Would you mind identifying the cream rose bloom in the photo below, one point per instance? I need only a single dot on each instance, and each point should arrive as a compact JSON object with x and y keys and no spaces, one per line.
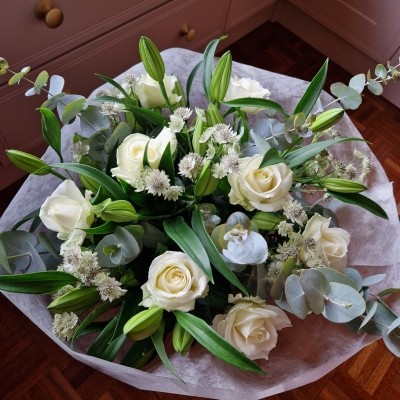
{"x":130,"y":154}
{"x":330,"y":244}
{"x":174,"y":282}
{"x":245,"y":87}
{"x":149,"y":92}
{"x":66,"y":210}
{"x":251,"y":326}
{"x":264,"y":189}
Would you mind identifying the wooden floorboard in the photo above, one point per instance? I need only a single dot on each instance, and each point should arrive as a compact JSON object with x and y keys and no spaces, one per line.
{"x":32,"y":367}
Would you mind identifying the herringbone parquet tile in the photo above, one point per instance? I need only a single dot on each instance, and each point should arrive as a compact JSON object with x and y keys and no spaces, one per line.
{"x":32,"y":367}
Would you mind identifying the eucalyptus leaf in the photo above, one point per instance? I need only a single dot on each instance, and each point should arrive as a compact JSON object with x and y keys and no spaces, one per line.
{"x":214,"y":343}
{"x":92,"y":121}
{"x":349,"y":98}
{"x":395,"y":324}
{"x":187,"y":240}
{"x":119,"y":134}
{"x":4,"y":260}
{"x":369,"y":315}
{"x":392,"y":341}
{"x":380,"y":71}
{"x":373,"y":280}
{"x":277,"y":289}
{"x":56,"y":85}
{"x":41,"y":81}
{"x":357,"y":82}
{"x":72,"y":109}
{"x":355,"y":276}
{"x":296,"y":297}
{"x":334,"y":276}
{"x":315,"y":287}
{"x":343,"y":303}
{"x":375,"y":87}
{"x":51,"y":102}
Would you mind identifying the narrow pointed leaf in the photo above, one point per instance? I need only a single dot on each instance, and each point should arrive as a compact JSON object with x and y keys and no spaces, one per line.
{"x":186,"y":239}
{"x":72,"y":109}
{"x":3,"y":259}
{"x":214,"y":343}
{"x":255,"y":102}
{"x":313,"y":91}
{"x":51,"y":130}
{"x":271,"y":157}
{"x":215,"y":257}
{"x":37,"y":282}
{"x":369,"y":315}
{"x":167,"y":164}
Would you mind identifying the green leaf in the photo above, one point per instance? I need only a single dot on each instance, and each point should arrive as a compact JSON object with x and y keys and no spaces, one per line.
{"x":303,"y":154}
{"x":369,"y":315}
{"x":103,"y":229}
{"x":388,"y":291}
{"x":51,"y":130}
{"x":28,"y":217}
{"x":158,"y":342}
{"x":190,"y":82}
{"x":271,"y":157}
{"x":315,"y":287}
{"x":255,"y":102}
{"x":343,"y":303}
{"x":3,"y":259}
{"x":167,"y":164}
{"x":113,"y":83}
{"x":138,"y":355}
{"x":278,"y":286}
{"x":362,"y":201}
{"x":207,"y":63}
{"x":215,"y":257}
{"x":349,"y":98}
{"x":37,"y":282}
{"x":111,"y":187}
{"x":296,"y":297}
{"x":186,"y":239}
{"x":214,"y":343}
{"x":313,"y":91}
{"x":41,"y":81}
{"x":72,"y":109}
{"x":150,"y":116}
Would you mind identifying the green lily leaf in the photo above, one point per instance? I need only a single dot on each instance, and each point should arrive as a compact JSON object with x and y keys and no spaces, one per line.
{"x":214,"y":343}
{"x":51,"y":130}
{"x":186,"y":239}
{"x":310,"y":97}
{"x":271,"y":157}
{"x":255,"y":102}
{"x":167,"y":164}
{"x":37,"y":282}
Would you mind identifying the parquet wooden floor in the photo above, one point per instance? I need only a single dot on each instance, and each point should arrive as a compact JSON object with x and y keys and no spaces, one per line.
{"x":32,"y":367}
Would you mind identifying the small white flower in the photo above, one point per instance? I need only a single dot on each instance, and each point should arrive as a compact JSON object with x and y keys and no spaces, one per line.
{"x":285,"y":228}
{"x":190,"y":165}
{"x":293,"y":210}
{"x":176,"y":123}
{"x":218,"y":171}
{"x":201,"y":114}
{"x":183,"y":112}
{"x":108,"y":287}
{"x":109,"y":108}
{"x":230,"y":162}
{"x":157,"y":182}
{"x":224,"y":133}
{"x":79,"y":149}
{"x":173,"y":193}
{"x":65,"y":325}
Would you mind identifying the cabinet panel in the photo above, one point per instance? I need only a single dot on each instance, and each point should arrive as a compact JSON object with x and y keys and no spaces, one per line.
{"x":369,"y":25}
{"x":28,"y":41}
{"x":110,"y":55}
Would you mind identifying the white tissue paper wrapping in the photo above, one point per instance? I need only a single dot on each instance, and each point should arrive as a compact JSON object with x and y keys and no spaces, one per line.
{"x":307,"y":351}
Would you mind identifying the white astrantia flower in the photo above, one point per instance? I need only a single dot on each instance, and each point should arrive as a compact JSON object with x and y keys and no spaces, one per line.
{"x":285,"y":228}
{"x":108,"y":287}
{"x":176,"y":123}
{"x":157,"y":182}
{"x":294,"y":211}
{"x":79,"y":149}
{"x":190,"y":165}
{"x":64,"y":290}
{"x":183,"y":112}
{"x":201,"y":114}
{"x":65,"y":325}
{"x":173,"y":193}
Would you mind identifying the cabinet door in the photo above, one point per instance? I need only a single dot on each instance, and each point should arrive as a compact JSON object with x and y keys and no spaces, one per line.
{"x":371,"y":26}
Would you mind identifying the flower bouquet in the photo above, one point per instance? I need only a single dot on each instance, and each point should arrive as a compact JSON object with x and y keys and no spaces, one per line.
{"x":185,"y":232}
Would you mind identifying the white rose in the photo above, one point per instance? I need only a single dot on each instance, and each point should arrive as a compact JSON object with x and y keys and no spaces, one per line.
{"x":251,"y":326}
{"x":149,"y":92}
{"x":240,"y":88}
{"x":264,"y":189}
{"x":66,"y":210}
{"x":174,"y":282}
{"x":130,"y":153}
{"x":329,"y":243}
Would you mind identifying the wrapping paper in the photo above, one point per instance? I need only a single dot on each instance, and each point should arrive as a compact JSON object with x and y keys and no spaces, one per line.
{"x":305,"y":352}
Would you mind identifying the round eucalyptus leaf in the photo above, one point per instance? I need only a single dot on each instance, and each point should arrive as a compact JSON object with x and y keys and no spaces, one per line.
{"x":343,"y":303}
{"x":373,"y":280}
{"x":384,"y":316}
{"x":315,"y":287}
{"x":296,"y":297}
{"x":349,"y":98}
{"x":355,"y":276}
{"x":335,"y":276}
{"x":56,"y":85}
{"x":392,"y":341}
{"x":380,"y":71}
{"x":375,"y":87}
{"x":371,"y":312}
{"x":357,"y":82}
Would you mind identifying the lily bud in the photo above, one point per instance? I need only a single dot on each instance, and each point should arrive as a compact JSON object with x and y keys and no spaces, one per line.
{"x":151,"y":58}
{"x":28,"y":162}
{"x":119,"y":211}
{"x":206,"y":183}
{"x":144,"y":323}
{"x":221,"y":77}
{"x":181,"y":339}
{"x":199,"y":128}
{"x":75,"y":300}
{"x":326,"y":119}
{"x":214,"y":116}
{"x":90,"y":184}
{"x":3,"y":66}
{"x":342,"y":185}
{"x":266,"y":220}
